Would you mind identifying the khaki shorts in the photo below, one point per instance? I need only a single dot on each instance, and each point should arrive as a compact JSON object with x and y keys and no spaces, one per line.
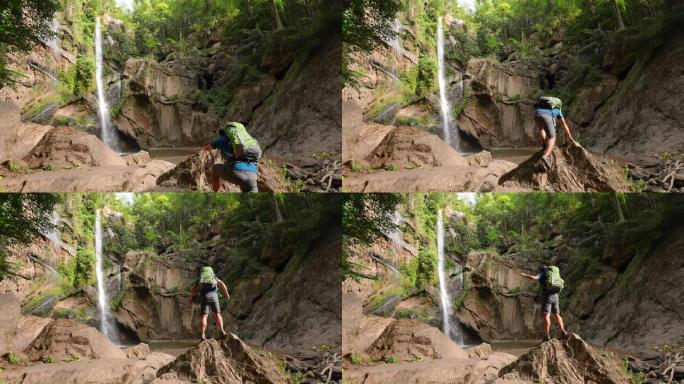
{"x":246,"y":180}
{"x":547,"y":123}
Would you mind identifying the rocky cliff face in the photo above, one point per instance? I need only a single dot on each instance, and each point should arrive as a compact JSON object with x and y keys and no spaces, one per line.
{"x":641,"y":118}
{"x":158,"y":106}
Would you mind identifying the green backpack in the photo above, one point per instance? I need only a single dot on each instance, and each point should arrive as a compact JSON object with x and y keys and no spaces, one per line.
{"x":549,"y":102}
{"x":554,"y":282}
{"x":245,"y":147}
{"x":207,"y":279}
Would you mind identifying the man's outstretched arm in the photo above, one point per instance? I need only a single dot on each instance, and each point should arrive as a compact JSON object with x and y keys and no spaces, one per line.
{"x":566,"y":128}
{"x":224,"y":289}
{"x":531,"y":277}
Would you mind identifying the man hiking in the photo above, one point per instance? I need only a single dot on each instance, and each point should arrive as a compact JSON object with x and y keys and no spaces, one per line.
{"x":241,"y":154}
{"x":547,"y":112}
{"x":551,"y":284}
{"x":208,"y":284}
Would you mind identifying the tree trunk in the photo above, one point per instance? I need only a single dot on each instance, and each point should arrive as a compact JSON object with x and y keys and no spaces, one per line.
{"x":276,"y":15}
{"x":618,"y":16}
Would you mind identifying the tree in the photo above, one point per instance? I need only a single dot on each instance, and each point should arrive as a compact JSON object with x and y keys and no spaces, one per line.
{"x":618,"y":15}
{"x":23,"y":216}
{"x":23,"y":23}
{"x":276,"y":15}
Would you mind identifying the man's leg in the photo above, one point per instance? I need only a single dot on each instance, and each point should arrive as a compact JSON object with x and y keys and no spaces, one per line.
{"x":547,"y":325}
{"x":542,"y":137}
{"x":550,"y":144}
{"x":203,"y":322}
{"x":559,"y":320}
{"x":219,"y":321}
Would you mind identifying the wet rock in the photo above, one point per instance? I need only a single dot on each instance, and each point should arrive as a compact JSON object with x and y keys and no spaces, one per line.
{"x":228,"y":361}
{"x":409,"y":147}
{"x":65,"y":339}
{"x":195,"y":174}
{"x":66,"y":147}
{"x":410,"y":340}
{"x":570,"y":361}
{"x":571,"y":169}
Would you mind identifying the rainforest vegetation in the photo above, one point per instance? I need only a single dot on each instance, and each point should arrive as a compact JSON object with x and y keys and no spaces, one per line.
{"x":265,"y":30}
{"x":605,"y":35}
{"x":523,"y":228}
{"x":249,"y":228}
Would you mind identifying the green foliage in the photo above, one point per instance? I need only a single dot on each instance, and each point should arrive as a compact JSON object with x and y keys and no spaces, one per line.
{"x":22,"y":24}
{"x":13,"y":166}
{"x":425,"y":78}
{"x":22,"y":218}
{"x":390,"y":360}
{"x":13,"y":358}
{"x":355,"y":358}
{"x":464,"y":241}
{"x":48,"y":360}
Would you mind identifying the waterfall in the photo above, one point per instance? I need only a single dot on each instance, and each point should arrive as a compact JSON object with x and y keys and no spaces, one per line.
{"x":102,"y":301}
{"x":108,"y":136}
{"x":444,"y":108}
{"x":53,"y":234}
{"x":449,"y":327}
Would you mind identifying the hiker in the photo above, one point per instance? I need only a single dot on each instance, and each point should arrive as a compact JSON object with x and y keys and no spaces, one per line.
{"x":551,"y":284}
{"x":547,"y":112}
{"x":207,"y":284}
{"x":241,"y":154}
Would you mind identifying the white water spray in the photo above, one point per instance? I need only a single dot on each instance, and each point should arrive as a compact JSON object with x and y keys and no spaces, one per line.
{"x":451,"y":329}
{"x":102,"y":302}
{"x":102,"y":107}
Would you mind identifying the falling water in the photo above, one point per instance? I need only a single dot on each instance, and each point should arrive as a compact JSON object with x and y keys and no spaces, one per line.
{"x":443,"y":102}
{"x":53,"y":234}
{"x":102,"y":107}
{"x":449,"y":328}
{"x":102,"y":306}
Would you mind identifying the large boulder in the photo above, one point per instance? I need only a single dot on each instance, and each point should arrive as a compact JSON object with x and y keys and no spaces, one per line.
{"x":499,"y":303}
{"x":228,"y":361}
{"x":194,"y":173}
{"x":570,"y":361}
{"x":67,"y":339}
{"x":158,"y":109}
{"x":66,"y":147}
{"x":410,"y":340}
{"x":17,"y":331}
{"x":409,"y":147}
{"x":359,"y":139}
{"x":499,"y":112}
{"x":571,"y":169}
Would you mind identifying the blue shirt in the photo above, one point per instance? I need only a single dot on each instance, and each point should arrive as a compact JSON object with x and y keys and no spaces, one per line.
{"x":224,"y":145}
{"x":556,"y":112}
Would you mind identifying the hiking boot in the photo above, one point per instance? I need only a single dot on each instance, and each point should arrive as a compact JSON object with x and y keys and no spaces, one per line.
{"x":546,"y":338}
{"x":546,"y":160}
{"x":203,"y":338}
{"x":564,"y":335}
